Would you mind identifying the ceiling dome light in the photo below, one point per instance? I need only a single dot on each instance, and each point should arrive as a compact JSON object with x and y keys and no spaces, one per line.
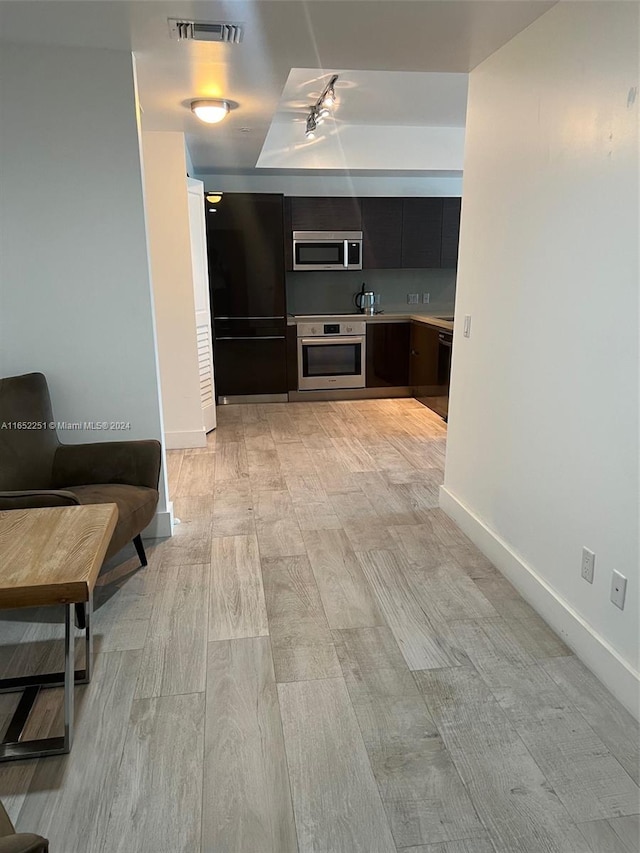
{"x":211,"y":110}
{"x":214,"y":198}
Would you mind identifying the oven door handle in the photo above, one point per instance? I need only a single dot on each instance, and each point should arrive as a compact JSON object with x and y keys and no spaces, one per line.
{"x":331,"y":341}
{"x":346,"y":254}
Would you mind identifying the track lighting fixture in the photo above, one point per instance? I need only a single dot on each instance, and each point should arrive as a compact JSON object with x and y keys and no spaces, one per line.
{"x":312,"y":124}
{"x":320,"y":110}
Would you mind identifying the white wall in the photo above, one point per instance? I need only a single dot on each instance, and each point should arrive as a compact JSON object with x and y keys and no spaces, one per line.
{"x":75,"y":294}
{"x":335,"y":185}
{"x":172,"y":276}
{"x":543,"y":433}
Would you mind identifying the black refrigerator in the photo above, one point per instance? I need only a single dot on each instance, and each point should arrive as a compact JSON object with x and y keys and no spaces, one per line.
{"x":245,"y":243}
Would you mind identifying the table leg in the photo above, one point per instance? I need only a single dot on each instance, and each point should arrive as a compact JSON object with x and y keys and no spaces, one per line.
{"x":12,"y":748}
{"x":69,"y":674}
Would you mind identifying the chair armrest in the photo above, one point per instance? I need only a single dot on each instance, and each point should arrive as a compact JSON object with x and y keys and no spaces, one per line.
{"x":33,"y":498}
{"x":132,"y":463}
{"x":23,"y":842}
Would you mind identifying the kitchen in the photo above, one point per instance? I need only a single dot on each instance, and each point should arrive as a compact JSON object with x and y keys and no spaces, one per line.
{"x":342,"y":268}
{"x":331,"y":651}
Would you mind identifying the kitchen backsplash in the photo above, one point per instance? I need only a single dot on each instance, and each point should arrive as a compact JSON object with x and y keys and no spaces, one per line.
{"x":316,"y":292}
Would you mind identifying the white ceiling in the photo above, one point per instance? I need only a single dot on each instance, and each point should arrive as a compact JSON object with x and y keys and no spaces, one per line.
{"x":362,"y":35}
{"x":398,"y":120}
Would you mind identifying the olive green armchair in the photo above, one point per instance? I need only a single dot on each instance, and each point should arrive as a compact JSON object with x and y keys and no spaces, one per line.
{"x":37,"y":470}
{"x":19,"y":842}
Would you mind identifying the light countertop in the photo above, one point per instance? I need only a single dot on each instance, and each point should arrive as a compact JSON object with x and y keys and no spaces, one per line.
{"x":292,"y":319}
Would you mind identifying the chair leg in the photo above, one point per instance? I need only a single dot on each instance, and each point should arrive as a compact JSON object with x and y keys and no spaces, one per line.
{"x":137,"y":541}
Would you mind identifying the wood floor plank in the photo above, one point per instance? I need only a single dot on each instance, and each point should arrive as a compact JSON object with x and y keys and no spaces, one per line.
{"x":613,"y":724}
{"x":419,"y":544}
{"x":295,"y":459}
{"x":247,"y":800}
{"x":277,"y":526}
{"x":158,"y":800}
{"x":233,"y":513}
{"x":353,"y":454}
{"x":174,"y":654}
{"x":446,"y":593}
{"x":236,"y":603}
{"x":231,"y":462}
{"x":534,"y":635}
{"x":488,"y":644}
{"x":346,"y":595}
{"x":586,"y":777}
{"x":619,"y":835}
{"x":70,"y":796}
{"x":333,"y":474}
{"x":422,"y":644}
{"x":301,"y":641}
{"x":514,"y":800}
{"x":365,"y":529}
{"x":389,"y":505}
{"x":335,"y":799}
{"x":505,"y":598}
{"x":189,"y":544}
{"x":264,"y":469}
{"x":470,"y":845}
{"x":197,"y":473}
{"x":283,"y":428}
{"x":423,"y":795}
{"x":174,"y":461}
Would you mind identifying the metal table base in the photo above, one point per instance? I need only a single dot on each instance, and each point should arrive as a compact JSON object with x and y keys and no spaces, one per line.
{"x":12,"y":747}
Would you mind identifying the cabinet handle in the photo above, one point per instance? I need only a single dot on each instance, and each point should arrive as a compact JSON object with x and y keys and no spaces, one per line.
{"x":250,"y":338}
{"x":414,"y":352}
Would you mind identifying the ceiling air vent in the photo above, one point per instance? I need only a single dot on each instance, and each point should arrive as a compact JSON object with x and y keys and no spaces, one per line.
{"x":205,"y":31}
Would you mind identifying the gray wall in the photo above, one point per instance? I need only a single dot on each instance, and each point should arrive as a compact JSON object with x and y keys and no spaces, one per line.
{"x":75,"y":290}
{"x":311,"y":292}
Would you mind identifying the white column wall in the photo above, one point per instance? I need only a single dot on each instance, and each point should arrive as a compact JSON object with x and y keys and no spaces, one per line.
{"x":165,"y":177}
{"x":542,"y":452}
{"x":75,"y":291}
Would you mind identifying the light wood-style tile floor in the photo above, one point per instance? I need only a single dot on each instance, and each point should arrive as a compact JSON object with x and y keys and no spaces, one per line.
{"x":319,"y":661}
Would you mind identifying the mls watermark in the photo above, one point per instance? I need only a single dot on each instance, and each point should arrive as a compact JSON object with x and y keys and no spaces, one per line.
{"x":66,"y":425}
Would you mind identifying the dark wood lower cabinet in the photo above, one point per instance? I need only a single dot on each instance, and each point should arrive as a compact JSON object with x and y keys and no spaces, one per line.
{"x":250,"y":367}
{"x":430,"y":367}
{"x":387,"y":355}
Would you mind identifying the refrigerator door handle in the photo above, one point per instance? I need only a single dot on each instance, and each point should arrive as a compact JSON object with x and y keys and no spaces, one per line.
{"x":250,"y":338}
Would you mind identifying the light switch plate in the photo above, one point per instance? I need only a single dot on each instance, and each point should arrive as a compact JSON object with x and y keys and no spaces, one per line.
{"x":412,"y":298}
{"x":426,"y":297}
{"x":467,"y":325}
{"x":618,"y":589}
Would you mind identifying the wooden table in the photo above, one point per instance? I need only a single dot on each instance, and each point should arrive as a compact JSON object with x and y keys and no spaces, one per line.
{"x":51,"y":556}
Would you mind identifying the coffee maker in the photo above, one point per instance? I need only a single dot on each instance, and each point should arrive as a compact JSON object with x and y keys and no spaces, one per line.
{"x":365,"y":300}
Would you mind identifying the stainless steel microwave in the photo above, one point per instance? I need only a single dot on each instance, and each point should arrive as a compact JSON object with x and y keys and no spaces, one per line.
{"x":327,"y":250}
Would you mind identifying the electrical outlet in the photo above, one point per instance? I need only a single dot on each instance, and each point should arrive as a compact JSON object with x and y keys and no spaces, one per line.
{"x":426,"y":297}
{"x":618,"y":589}
{"x":588,"y":564}
{"x":412,"y":298}
{"x":467,"y":325}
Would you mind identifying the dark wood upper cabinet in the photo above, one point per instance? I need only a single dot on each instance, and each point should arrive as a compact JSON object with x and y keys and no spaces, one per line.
{"x":382,"y":233}
{"x":421,"y":232}
{"x":326,"y":214}
{"x":450,"y":231}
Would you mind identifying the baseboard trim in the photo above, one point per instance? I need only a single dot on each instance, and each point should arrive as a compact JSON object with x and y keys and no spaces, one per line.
{"x":592,"y":649}
{"x":161,"y":526}
{"x":185,"y":440}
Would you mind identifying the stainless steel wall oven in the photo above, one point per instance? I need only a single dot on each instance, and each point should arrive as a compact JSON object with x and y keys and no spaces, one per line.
{"x":331,"y":355}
